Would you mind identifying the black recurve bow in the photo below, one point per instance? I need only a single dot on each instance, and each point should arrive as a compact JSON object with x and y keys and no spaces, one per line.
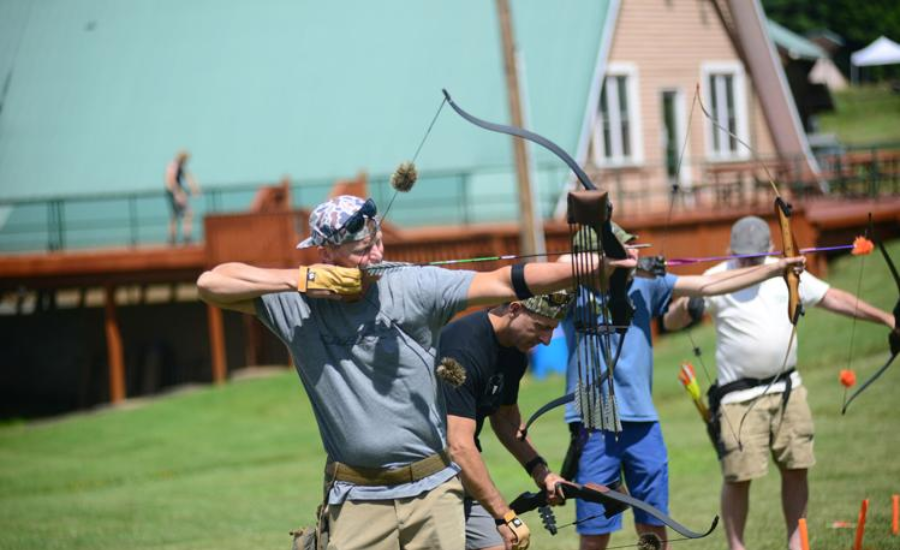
{"x":614,"y":502}
{"x":893,"y":338}
{"x":620,"y":307}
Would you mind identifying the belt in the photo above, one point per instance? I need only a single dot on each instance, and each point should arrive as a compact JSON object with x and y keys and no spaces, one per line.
{"x":747,"y":383}
{"x":388,"y":476}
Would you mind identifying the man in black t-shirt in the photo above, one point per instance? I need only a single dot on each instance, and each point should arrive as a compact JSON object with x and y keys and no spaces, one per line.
{"x":491,"y":346}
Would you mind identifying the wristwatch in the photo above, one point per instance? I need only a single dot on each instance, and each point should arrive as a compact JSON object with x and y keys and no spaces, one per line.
{"x":510,"y":518}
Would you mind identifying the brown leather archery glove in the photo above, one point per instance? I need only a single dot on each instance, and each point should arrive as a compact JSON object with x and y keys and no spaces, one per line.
{"x":330,"y":281}
{"x":519,"y":530}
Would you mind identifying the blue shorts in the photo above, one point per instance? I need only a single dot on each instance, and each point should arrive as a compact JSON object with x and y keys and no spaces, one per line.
{"x":640,"y":453}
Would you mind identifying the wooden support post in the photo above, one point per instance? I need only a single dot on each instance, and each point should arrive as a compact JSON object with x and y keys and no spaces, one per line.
{"x":251,"y":341}
{"x":217,"y":344}
{"x":114,"y":350}
{"x":531,"y":233}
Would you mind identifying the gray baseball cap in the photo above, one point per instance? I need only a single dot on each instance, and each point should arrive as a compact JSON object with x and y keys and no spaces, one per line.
{"x":750,"y":235}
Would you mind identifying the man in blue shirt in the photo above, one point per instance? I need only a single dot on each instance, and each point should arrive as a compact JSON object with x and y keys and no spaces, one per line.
{"x":638,"y":451}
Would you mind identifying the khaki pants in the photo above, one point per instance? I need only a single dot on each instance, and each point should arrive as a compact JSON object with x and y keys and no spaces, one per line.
{"x":432,"y":520}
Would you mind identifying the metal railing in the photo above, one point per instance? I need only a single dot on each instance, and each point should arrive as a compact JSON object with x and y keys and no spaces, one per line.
{"x":444,"y":198}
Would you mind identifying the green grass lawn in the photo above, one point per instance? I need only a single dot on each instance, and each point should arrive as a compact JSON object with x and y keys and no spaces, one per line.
{"x":864,"y":115}
{"x":238,"y":466}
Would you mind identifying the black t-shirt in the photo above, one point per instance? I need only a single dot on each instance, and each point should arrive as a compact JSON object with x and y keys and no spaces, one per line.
{"x":493,"y":372}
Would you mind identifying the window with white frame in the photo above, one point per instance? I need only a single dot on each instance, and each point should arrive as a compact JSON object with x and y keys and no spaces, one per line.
{"x":724,"y":92}
{"x":617,"y":131}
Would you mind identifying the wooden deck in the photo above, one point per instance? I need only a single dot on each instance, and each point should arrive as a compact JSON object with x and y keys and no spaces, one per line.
{"x":268,"y":239}
{"x":92,"y":268}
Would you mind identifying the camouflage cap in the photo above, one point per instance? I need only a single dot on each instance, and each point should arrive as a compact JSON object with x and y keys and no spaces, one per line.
{"x":587,"y":237}
{"x":624,"y":236}
{"x":553,"y":306}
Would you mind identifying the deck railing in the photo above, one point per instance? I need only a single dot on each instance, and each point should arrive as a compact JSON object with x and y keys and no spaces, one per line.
{"x":448,"y":198}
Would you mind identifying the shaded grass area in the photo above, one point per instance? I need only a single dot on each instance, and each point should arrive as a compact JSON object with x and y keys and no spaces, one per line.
{"x":864,"y":115}
{"x":238,"y":466}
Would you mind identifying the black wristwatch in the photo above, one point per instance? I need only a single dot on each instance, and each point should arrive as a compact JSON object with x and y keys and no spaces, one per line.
{"x":510,"y":518}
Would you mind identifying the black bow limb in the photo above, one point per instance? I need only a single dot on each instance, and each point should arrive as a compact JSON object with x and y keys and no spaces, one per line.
{"x":613,"y":503}
{"x":611,"y":246}
{"x":893,"y":337}
{"x":597,"y":215}
{"x":547,"y":407}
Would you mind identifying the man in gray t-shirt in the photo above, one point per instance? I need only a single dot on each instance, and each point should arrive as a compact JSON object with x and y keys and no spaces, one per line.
{"x":364,"y":349}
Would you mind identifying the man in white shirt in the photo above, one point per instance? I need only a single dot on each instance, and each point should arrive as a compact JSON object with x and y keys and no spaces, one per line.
{"x":756,"y":373}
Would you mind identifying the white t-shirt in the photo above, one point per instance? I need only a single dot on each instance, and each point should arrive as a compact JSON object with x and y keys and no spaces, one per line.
{"x":753,"y":330}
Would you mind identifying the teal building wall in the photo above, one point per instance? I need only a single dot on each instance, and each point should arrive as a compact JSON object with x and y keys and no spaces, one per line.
{"x":98,"y":95}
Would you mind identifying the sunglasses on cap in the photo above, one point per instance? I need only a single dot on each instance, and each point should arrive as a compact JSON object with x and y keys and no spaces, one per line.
{"x":355,"y":222}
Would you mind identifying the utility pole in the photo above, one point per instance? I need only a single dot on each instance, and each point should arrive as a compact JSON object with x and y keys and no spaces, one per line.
{"x":531,"y":228}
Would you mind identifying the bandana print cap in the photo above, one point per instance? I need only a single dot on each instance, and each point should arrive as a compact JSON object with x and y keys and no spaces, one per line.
{"x":328,"y":217}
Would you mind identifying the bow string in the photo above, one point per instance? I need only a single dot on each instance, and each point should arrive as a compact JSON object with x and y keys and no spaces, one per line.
{"x":783,"y":211}
{"x":676,"y":188}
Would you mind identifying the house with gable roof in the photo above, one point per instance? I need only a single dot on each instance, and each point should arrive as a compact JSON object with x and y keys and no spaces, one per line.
{"x":644,"y":130}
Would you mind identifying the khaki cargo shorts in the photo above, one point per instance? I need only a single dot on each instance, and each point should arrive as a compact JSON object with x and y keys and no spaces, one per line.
{"x":431,"y":520}
{"x":788,"y":438}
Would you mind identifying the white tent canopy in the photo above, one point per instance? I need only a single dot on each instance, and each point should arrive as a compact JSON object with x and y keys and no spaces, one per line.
{"x":883,"y":51}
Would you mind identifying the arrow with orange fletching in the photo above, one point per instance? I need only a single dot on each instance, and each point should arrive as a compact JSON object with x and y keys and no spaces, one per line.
{"x":688,"y":378}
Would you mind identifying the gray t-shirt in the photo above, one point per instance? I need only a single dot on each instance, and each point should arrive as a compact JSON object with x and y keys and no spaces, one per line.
{"x":368,"y":367}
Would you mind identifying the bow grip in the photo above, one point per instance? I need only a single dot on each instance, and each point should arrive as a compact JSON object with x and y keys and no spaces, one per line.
{"x":784,"y":210}
{"x":528,"y":501}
